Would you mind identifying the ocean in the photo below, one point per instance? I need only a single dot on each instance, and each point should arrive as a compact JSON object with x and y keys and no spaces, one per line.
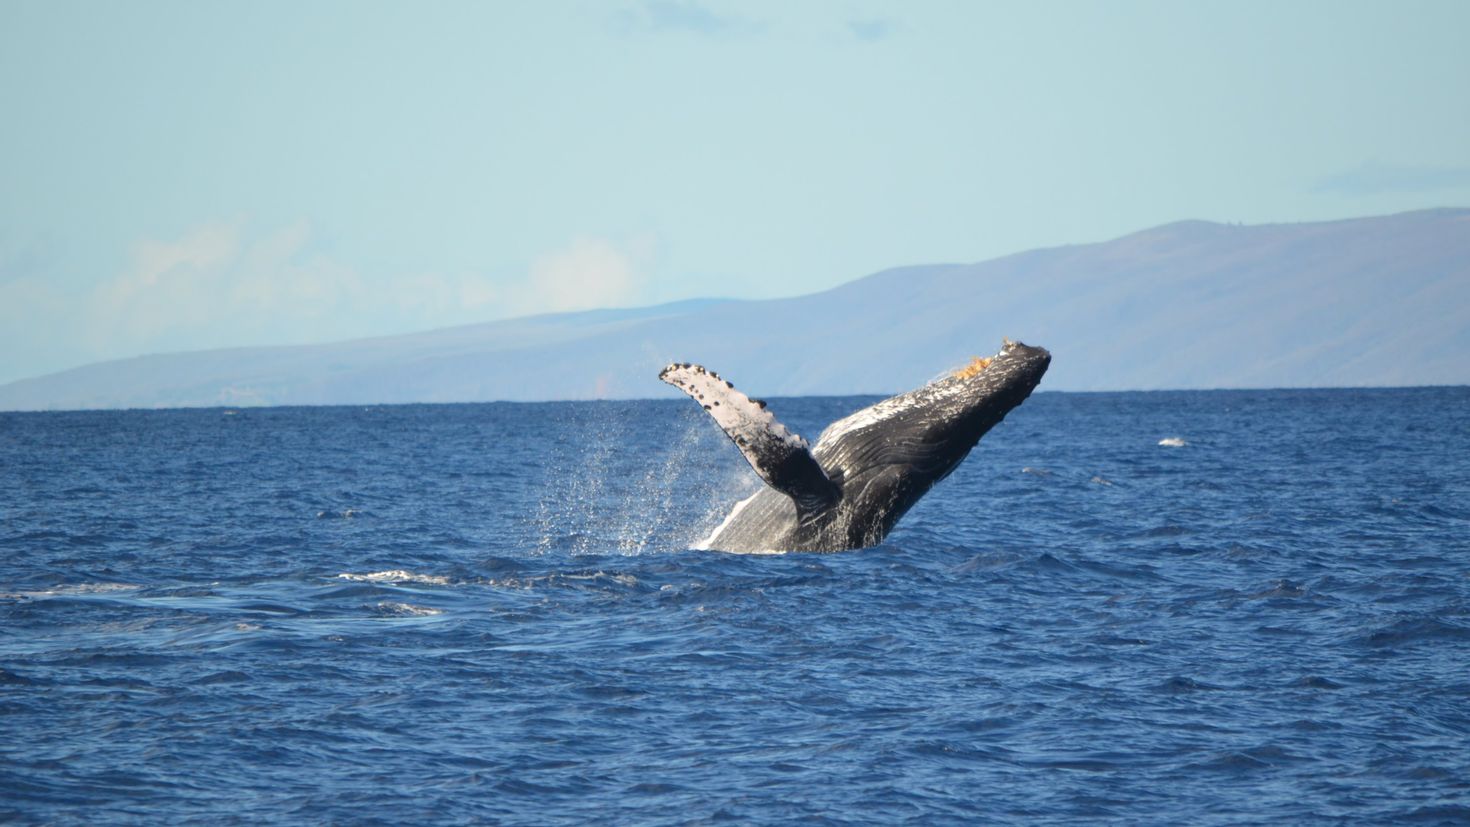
{"x":1217,"y":607}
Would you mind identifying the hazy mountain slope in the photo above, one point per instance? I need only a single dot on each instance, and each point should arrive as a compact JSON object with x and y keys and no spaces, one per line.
{"x":1379,"y":301}
{"x":1373,"y":301}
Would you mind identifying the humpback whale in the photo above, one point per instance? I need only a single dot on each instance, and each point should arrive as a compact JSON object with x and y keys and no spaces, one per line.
{"x":866,"y":469}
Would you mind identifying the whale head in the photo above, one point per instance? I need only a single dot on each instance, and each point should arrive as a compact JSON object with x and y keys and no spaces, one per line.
{"x":885,"y":457}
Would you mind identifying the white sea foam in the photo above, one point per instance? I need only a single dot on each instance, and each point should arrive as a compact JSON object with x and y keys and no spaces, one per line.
{"x":396,"y":576}
{"x":408,"y":610}
{"x":74,"y":589}
{"x":1173,"y":442}
{"x":620,"y":579}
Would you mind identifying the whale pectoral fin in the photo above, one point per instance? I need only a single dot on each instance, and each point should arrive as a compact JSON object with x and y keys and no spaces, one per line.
{"x":781,"y":458}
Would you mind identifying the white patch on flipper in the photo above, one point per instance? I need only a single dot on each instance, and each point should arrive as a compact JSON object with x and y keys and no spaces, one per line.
{"x":781,"y":458}
{"x":731,"y":409}
{"x":704,"y":545}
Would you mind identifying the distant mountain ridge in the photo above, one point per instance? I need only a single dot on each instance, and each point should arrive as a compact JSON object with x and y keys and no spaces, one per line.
{"x":1368,"y":301}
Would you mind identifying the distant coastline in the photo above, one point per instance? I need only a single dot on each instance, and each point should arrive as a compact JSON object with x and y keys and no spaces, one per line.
{"x":1192,"y":305}
{"x":775,"y":401}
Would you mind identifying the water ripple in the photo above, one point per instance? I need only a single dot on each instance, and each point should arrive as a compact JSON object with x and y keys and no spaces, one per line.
{"x":489,"y":613}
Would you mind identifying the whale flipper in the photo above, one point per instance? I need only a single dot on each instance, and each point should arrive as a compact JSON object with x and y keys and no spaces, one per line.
{"x":782,"y":458}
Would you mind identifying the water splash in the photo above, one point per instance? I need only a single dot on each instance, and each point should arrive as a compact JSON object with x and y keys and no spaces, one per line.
{"x":396,"y":576}
{"x":601,"y":498}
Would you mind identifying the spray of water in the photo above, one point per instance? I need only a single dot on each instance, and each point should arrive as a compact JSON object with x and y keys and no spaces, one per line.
{"x":599,"y":496}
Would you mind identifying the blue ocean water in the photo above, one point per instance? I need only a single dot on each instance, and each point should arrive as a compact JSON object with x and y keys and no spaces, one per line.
{"x":489,"y":614}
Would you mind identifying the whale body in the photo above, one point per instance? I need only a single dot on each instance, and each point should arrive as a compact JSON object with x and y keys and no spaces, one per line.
{"x":867,"y":469}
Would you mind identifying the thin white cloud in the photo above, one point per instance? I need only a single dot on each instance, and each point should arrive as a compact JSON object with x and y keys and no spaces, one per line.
{"x":589,"y":273}
{"x":215,"y":287}
{"x":873,"y":30}
{"x":1376,"y":178}
{"x":686,"y":16}
{"x":222,"y":285}
{"x":34,"y":326}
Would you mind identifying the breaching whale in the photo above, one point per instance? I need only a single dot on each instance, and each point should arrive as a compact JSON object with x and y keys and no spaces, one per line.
{"x":868,"y":468}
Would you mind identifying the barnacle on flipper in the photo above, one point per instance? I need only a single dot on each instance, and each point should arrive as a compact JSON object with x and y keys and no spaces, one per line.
{"x":976,"y":365}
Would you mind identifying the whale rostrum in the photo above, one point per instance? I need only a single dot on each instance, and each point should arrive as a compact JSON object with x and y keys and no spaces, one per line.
{"x":867,"y":469}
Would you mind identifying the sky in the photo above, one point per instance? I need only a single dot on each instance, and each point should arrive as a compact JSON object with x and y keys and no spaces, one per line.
{"x":191,"y":175}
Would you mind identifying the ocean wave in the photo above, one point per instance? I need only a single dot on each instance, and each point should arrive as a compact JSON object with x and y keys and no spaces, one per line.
{"x":407,"y":610}
{"x":395,"y":576}
{"x":1226,"y":626}
{"x":71,"y":590}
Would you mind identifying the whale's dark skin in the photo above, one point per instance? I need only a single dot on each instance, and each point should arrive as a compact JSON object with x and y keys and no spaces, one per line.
{"x":866,"y":469}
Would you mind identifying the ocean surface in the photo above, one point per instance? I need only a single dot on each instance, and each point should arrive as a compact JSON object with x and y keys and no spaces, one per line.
{"x":1147,"y":608}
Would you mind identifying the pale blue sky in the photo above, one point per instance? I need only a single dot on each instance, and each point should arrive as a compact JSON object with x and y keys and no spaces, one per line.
{"x":189,"y":175}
